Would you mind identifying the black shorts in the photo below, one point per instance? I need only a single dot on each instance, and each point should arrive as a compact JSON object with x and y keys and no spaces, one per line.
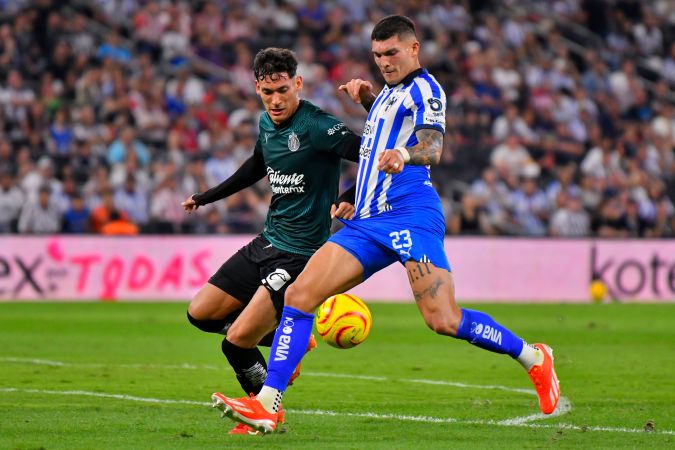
{"x":259,"y":263}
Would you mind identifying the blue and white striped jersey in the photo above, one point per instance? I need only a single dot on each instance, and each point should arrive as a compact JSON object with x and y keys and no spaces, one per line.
{"x":418,"y":101}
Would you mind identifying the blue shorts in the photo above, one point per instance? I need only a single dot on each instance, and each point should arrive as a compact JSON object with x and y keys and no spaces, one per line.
{"x":400,"y":235}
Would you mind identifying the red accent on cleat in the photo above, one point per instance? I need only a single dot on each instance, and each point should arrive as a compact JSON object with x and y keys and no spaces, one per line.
{"x":546,"y":381}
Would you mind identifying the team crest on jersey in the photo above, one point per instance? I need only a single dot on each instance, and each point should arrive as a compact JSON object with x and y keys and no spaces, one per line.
{"x":391,"y":102}
{"x":293,"y":142}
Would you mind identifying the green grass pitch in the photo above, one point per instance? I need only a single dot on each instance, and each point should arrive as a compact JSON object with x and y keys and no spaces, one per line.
{"x":127,"y":375}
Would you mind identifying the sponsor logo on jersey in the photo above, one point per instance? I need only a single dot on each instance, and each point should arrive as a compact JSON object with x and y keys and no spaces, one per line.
{"x":286,"y":184}
{"x":435,"y":104}
{"x":369,"y":129}
{"x":293,"y":142}
{"x":277,"y":279}
{"x":335,"y":128}
{"x":365,"y":152}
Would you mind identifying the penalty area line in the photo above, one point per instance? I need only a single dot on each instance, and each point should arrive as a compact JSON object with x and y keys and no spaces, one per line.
{"x":317,"y":412}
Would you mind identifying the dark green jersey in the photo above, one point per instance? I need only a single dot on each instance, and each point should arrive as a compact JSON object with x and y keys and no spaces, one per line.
{"x":302,"y":159}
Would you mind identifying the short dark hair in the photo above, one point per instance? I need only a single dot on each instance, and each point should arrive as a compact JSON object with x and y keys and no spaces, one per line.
{"x":395,"y":25}
{"x":273,"y":60}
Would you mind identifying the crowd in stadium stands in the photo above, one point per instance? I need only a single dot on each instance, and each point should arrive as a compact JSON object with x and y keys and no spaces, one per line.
{"x":112,"y":112}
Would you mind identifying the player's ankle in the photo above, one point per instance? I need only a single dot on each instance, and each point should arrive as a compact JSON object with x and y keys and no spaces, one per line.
{"x":530,"y":356}
{"x":270,"y":399}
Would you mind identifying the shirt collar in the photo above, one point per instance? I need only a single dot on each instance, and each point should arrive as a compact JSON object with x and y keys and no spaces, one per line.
{"x":408,"y":78}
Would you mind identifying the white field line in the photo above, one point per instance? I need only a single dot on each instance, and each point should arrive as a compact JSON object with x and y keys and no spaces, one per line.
{"x":372,"y":415}
{"x":564,"y":405}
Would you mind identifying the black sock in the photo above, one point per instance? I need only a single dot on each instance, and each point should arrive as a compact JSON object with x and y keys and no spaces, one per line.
{"x":267,"y":340}
{"x":249,"y":365}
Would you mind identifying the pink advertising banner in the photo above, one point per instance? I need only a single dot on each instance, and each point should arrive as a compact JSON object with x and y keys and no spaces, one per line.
{"x":485,"y":269}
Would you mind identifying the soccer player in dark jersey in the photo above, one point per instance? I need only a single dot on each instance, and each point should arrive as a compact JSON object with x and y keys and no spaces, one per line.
{"x":299,"y":148}
{"x":398,"y":218}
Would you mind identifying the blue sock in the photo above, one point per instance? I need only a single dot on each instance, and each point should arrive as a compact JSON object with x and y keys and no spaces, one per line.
{"x":289,"y":346}
{"x":482,"y":331}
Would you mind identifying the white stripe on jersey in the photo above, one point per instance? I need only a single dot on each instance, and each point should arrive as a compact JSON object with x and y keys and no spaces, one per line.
{"x":391,"y":123}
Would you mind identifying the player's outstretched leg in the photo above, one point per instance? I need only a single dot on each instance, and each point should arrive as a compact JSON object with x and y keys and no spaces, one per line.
{"x":435,"y":294}
{"x":330,"y":271}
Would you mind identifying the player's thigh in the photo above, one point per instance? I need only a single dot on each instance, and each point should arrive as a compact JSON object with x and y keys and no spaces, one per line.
{"x":229,"y":289}
{"x":212,"y":303}
{"x":434,"y":291}
{"x":257,"y":319}
{"x":331,"y":270}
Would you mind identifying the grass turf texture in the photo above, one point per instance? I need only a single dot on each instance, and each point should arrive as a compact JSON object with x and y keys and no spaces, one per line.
{"x":614,"y":361}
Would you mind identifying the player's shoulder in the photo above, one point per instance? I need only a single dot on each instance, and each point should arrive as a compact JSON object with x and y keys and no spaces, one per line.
{"x":427,"y":85}
{"x":318,"y":120}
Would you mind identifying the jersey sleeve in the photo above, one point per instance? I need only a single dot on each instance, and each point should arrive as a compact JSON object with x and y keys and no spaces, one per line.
{"x":329,"y":134}
{"x":251,"y":171}
{"x":428,"y":105}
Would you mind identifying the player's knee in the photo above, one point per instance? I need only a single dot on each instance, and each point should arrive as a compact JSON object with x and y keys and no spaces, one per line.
{"x":238,"y":337}
{"x":298,"y":298}
{"x":443,"y":325}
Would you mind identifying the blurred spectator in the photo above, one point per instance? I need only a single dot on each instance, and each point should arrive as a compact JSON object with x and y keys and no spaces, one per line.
{"x":571,"y":220}
{"x":40,"y":216}
{"x":471,"y":219}
{"x":128,"y":147}
{"x":530,"y":208}
{"x":114,"y":49}
{"x":132,"y":199}
{"x":166,"y":213}
{"x":11,"y":201}
{"x":102,"y":213}
{"x":76,"y":220}
{"x":511,"y":158}
{"x":118,"y":225}
{"x":244,"y":212}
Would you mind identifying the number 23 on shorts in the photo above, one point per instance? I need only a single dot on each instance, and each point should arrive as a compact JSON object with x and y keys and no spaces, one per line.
{"x":400,"y":239}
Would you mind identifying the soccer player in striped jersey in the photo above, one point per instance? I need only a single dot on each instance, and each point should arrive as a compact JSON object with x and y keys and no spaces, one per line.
{"x":398,"y":218}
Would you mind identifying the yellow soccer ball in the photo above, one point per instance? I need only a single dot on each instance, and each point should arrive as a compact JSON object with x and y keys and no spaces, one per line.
{"x":598,"y":291}
{"x":343,"y":321}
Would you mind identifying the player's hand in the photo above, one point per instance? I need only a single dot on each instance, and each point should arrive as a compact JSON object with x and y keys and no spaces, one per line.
{"x":390,"y":161}
{"x":344,"y":210}
{"x":358,"y":90}
{"x":189,"y":205}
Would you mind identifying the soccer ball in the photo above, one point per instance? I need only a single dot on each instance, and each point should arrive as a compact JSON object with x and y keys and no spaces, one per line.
{"x":343,"y":321}
{"x":598,"y":291}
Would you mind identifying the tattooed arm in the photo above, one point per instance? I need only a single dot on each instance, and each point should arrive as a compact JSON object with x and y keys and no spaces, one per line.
{"x":426,"y":152}
{"x":428,"y":149}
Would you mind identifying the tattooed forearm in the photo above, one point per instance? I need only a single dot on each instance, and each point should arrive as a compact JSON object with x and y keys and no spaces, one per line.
{"x":428,"y":148}
{"x":431,"y":290}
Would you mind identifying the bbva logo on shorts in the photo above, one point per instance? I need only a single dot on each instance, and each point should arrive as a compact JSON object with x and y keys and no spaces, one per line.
{"x":277,"y":279}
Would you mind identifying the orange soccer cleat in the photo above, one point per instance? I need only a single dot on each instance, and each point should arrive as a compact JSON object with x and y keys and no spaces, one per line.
{"x":296,"y":373}
{"x":248,"y":411}
{"x":546,"y":381}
